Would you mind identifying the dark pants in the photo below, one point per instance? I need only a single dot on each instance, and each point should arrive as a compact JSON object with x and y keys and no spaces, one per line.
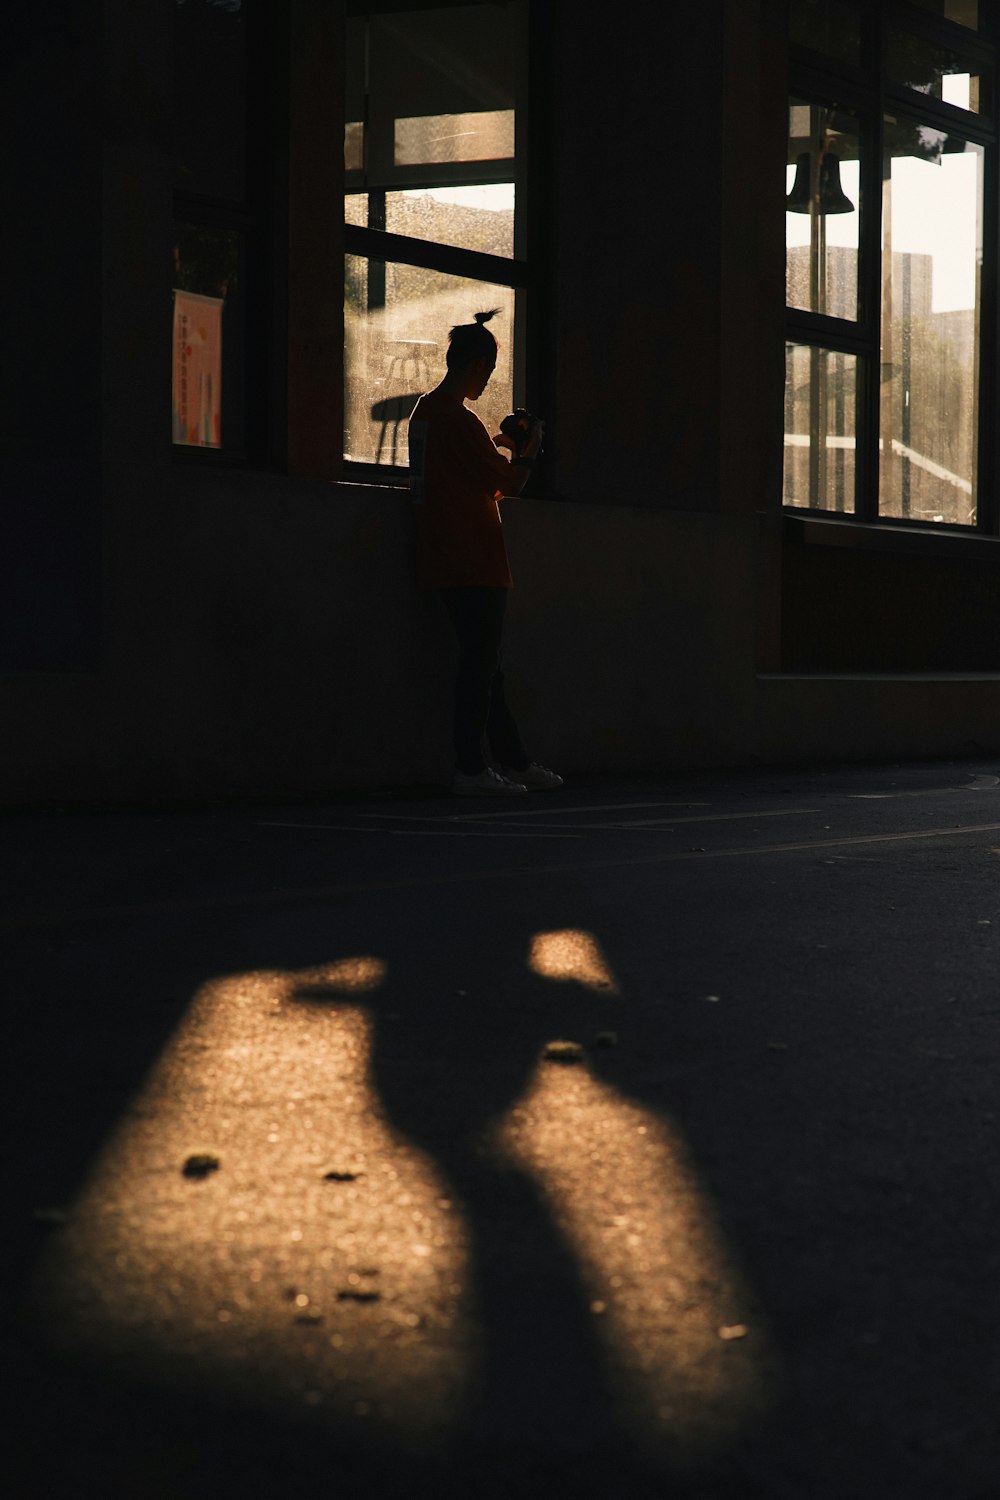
{"x":480,"y":706}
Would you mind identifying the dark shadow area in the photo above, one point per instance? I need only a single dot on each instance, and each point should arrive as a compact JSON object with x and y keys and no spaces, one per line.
{"x":460,"y":1023}
{"x":837,"y":1099}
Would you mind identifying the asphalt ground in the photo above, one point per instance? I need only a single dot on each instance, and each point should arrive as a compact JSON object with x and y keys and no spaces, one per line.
{"x":634,"y":1140}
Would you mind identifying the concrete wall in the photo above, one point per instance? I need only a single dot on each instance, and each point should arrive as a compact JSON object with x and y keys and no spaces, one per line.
{"x":851,"y":609}
{"x":264,"y":634}
{"x":263,"y":637}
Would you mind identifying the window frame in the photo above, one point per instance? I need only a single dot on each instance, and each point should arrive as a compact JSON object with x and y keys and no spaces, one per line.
{"x":870,"y":95}
{"x":519,"y":272}
{"x":265,"y":64}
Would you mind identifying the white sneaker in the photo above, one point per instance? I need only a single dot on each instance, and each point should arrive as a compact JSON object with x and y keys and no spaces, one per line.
{"x":486,"y":783}
{"x":535,"y":778}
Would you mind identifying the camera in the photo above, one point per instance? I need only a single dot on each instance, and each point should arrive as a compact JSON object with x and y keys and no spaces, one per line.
{"x":518,"y":428}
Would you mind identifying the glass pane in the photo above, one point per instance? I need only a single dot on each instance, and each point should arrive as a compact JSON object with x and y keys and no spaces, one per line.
{"x":932,"y":240}
{"x":209,"y":338}
{"x":822,"y":210}
{"x":941,"y":72}
{"x":397,"y":320}
{"x":356,"y":209}
{"x":210,"y":98}
{"x":435,"y":86}
{"x":477,"y":217}
{"x":483,"y":136}
{"x":962,"y":12}
{"x":473,"y":218}
{"x":820,"y":428}
{"x":354,"y":146}
{"x":829,"y":26}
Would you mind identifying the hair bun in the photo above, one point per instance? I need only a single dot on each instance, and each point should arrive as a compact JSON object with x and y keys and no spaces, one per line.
{"x":484,"y":317}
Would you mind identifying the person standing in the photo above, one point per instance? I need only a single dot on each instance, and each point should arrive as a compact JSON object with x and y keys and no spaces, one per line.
{"x":457,"y":475}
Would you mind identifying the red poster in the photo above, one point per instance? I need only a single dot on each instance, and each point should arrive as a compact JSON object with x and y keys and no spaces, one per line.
{"x":197,"y":373}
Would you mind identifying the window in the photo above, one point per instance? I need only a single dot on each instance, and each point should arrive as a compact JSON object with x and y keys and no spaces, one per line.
{"x":211,"y":227}
{"x":435,"y":210}
{"x":890,"y":262}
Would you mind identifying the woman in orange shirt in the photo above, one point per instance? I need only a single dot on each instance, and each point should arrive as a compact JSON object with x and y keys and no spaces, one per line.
{"x":457,"y":477}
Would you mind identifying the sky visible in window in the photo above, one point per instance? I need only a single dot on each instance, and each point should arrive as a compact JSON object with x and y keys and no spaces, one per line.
{"x":934,"y":213}
{"x":496,"y":196}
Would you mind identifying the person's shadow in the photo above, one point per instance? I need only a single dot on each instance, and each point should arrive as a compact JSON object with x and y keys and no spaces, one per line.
{"x":460,"y":1025}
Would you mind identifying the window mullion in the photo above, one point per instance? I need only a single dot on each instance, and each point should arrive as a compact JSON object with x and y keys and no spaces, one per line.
{"x":988,"y":517}
{"x":435,"y":256}
{"x":870,"y":298}
{"x":930,"y":111}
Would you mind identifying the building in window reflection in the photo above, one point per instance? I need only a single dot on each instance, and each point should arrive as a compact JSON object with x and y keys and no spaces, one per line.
{"x":928,"y":379}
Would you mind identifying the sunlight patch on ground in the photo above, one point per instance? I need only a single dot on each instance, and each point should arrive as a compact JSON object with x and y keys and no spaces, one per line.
{"x":308,"y":1256}
{"x":256,"y":1228}
{"x":686,"y":1345}
{"x":570,"y":954}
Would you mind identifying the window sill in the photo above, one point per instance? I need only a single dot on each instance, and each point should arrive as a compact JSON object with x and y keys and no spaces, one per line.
{"x":879,"y":677}
{"x":901,"y":540}
{"x":375,"y":476}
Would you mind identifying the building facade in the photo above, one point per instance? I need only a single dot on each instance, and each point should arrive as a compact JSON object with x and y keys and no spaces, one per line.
{"x":766,"y":526}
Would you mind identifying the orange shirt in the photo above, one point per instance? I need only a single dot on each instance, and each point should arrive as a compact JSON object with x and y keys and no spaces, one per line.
{"x":456,"y":477}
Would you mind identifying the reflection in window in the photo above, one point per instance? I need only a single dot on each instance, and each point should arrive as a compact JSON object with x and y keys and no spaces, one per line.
{"x":209,"y":126}
{"x":932,"y":256}
{"x":397,"y":319}
{"x":210,"y":200}
{"x":952,"y":74}
{"x":822,"y":210}
{"x":208,"y":338}
{"x":962,"y":12}
{"x":820,"y":428}
{"x":832,"y":27}
{"x":197,"y":374}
